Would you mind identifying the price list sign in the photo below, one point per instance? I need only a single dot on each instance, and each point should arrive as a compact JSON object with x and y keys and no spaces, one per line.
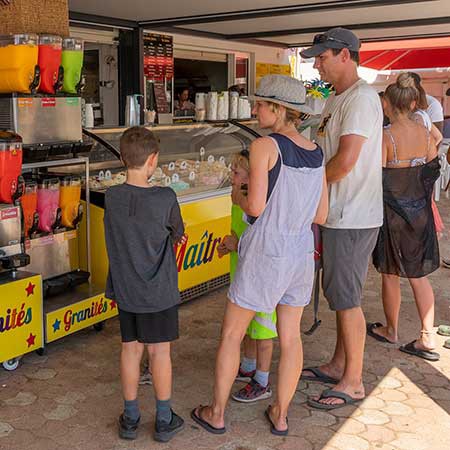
{"x":158,"y":57}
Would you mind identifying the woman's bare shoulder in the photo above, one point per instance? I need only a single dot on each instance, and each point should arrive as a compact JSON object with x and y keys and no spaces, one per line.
{"x":263,"y":143}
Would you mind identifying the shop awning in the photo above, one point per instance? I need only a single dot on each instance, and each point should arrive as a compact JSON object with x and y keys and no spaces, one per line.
{"x":283,"y":23}
{"x":407,"y":54}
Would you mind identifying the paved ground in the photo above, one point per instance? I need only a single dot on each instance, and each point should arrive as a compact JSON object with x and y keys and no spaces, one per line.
{"x":71,"y":398}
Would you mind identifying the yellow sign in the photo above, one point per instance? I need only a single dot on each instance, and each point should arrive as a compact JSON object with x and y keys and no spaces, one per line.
{"x":21,"y":321}
{"x":207,"y":222}
{"x":263,"y":69}
{"x":75,"y":317}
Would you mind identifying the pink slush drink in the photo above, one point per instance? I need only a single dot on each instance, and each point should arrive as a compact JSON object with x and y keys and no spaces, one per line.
{"x":47,"y":204}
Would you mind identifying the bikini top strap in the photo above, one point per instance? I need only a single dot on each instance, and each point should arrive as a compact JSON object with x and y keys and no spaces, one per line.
{"x":394,"y":146}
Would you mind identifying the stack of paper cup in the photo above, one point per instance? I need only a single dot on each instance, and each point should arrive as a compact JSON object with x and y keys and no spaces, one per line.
{"x":200,"y":100}
{"x":211,"y":106}
{"x":234,"y":100}
{"x":222,"y":106}
{"x":244,"y":108}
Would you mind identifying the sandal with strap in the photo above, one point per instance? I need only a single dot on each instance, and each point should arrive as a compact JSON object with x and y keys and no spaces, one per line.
{"x":318,"y":376}
{"x":411,"y":349}
{"x":330,"y":393}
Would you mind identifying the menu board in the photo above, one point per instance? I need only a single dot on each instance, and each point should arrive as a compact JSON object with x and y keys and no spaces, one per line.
{"x":158,"y":57}
{"x":162,"y":106}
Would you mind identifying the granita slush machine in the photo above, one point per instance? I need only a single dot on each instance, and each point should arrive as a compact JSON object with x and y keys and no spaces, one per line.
{"x":40,"y":82}
{"x":12,"y":254}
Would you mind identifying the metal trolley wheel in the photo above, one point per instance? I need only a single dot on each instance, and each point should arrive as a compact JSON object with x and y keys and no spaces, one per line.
{"x":11,"y":364}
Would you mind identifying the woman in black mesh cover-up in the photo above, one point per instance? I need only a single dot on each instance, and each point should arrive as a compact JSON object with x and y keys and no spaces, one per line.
{"x":407,"y":244}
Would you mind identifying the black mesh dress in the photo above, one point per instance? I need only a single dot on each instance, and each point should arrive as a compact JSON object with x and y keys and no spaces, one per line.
{"x":407,"y":243}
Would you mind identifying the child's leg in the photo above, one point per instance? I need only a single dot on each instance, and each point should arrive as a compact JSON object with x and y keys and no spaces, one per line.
{"x":248,"y":363}
{"x":130,"y":361}
{"x":161,"y":364}
{"x":265,"y":349}
{"x":250,"y":351}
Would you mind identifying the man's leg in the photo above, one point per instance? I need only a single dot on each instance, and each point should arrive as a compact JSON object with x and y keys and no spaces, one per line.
{"x":235,"y":323}
{"x":352,"y":250}
{"x":291,"y":361}
{"x":330,"y":282}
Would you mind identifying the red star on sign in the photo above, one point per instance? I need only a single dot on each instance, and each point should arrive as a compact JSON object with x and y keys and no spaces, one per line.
{"x":31,"y":339}
{"x":113,"y":304}
{"x":30,"y":289}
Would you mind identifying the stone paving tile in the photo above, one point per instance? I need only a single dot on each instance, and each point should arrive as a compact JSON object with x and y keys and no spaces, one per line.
{"x":71,"y":397}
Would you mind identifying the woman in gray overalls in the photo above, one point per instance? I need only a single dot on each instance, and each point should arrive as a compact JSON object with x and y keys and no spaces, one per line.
{"x":286,"y":193}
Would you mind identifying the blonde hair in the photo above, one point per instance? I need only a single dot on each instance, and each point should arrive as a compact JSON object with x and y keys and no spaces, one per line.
{"x":292,"y":116}
{"x":241,"y":160}
{"x":402,"y":93}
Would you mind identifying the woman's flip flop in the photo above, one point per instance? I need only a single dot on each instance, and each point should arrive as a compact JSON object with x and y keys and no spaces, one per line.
{"x":203,"y":423}
{"x":424,"y":354}
{"x":274,"y":430}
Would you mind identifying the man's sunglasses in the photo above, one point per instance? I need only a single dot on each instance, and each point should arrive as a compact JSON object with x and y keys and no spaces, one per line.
{"x":323,"y":38}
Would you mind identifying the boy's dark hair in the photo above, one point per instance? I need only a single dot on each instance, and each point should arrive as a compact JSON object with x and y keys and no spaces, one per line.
{"x":354,"y":56}
{"x":136,"y":145}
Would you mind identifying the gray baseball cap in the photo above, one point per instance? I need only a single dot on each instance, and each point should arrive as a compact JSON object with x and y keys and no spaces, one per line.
{"x":337,"y":38}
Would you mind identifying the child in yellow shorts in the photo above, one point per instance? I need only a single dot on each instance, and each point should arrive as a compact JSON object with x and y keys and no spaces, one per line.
{"x":258,"y":343}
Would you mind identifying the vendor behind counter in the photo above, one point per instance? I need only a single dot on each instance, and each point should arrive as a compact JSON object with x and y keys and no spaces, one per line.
{"x":182,"y":105}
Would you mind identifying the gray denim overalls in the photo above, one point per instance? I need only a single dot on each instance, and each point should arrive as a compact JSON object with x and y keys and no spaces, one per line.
{"x":276,"y":253}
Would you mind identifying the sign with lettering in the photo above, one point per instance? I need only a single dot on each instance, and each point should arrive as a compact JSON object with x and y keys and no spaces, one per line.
{"x":75,"y":317}
{"x":21,"y":317}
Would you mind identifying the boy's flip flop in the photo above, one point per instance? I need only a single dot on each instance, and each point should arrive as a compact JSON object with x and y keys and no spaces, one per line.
{"x":274,"y":430}
{"x":203,"y":423}
{"x":372,"y":326}
{"x":425,"y":354}
{"x":330,"y":393}
{"x":319,"y":376}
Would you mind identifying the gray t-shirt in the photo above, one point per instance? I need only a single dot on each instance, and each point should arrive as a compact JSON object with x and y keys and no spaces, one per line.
{"x":141,"y":225}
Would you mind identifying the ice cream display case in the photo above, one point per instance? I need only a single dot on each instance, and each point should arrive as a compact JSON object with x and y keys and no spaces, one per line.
{"x":194,"y":161}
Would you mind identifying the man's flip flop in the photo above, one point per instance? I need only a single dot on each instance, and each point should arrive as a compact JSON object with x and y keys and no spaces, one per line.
{"x":330,"y":393}
{"x":319,"y":376}
{"x":372,"y":326}
{"x":274,"y":430}
{"x":204,"y":424}
{"x":425,"y":354}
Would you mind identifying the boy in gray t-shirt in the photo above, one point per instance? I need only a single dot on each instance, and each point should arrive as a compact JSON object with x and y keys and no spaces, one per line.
{"x":142,"y":223}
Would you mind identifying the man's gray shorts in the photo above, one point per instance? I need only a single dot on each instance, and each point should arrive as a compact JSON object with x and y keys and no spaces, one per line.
{"x":345,"y":258}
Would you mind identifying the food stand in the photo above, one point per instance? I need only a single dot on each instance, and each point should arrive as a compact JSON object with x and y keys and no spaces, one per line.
{"x":195,"y":162}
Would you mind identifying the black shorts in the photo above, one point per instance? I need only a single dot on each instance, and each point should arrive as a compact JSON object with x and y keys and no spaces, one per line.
{"x":149,"y":328}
